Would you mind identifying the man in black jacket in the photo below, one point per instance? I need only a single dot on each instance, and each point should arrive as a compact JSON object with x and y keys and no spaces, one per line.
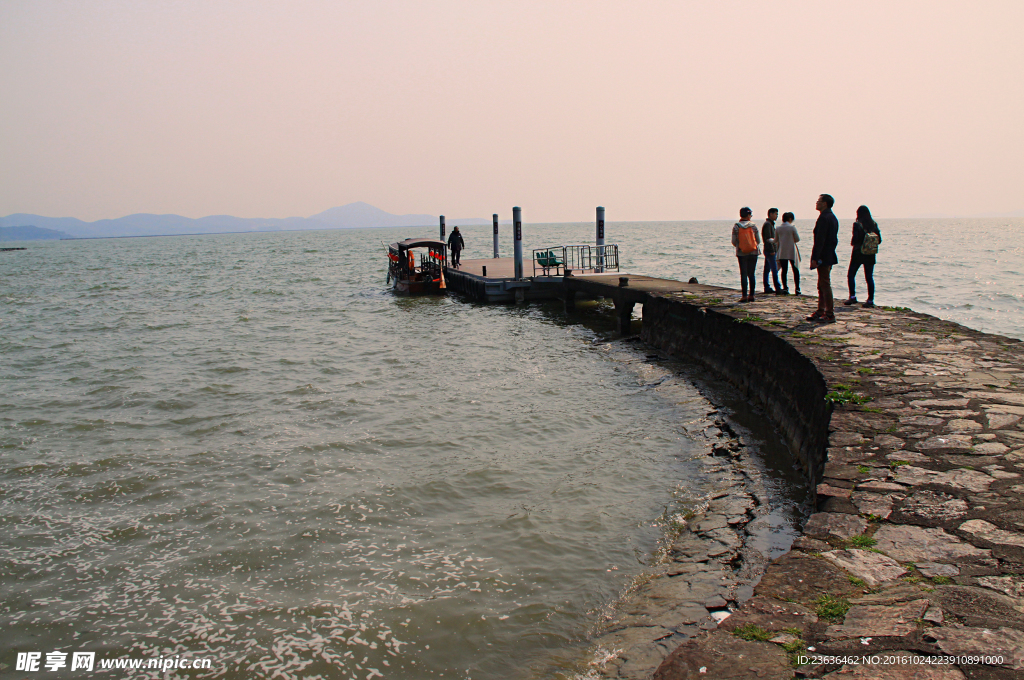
{"x":456,"y":244}
{"x":823,"y":257}
{"x":770,"y":251}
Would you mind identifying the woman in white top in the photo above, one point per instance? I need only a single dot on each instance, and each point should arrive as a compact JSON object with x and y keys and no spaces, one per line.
{"x":789,"y":254}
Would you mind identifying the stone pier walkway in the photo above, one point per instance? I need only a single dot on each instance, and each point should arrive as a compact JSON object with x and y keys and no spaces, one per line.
{"x":913,"y":564}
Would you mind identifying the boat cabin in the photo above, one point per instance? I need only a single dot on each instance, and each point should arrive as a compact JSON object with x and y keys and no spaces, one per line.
{"x":416,"y":266}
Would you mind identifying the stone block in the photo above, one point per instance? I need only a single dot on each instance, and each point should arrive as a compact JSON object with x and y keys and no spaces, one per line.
{"x":875,"y":485}
{"x":963,"y":425}
{"x":998,"y":421}
{"x":917,"y":544}
{"x":843,"y":455}
{"x":724,"y":656}
{"x":800,"y":578}
{"x":926,"y":421}
{"x":895,"y":620}
{"x":939,"y":403}
{"x":770,"y":614}
{"x":874,"y":504}
{"x":847,"y":439}
{"x":810,"y":544}
{"x":834,"y":491}
{"x":834,"y":525}
{"x":737,"y":504}
{"x":887,"y":441}
{"x":871,"y":567}
{"x":1005,"y":642}
{"x":1012,"y":586}
{"x":933,"y":569}
{"x":641,"y":660}
{"x":979,"y":607}
{"x":934,"y":506}
{"x":987,"y":531}
{"x":972,"y":480}
{"x":948,"y":442}
{"x":629,"y":638}
{"x":1004,"y":397}
{"x":990,"y":449}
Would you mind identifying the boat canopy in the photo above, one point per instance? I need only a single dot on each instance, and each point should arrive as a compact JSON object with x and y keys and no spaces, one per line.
{"x":418,"y":243}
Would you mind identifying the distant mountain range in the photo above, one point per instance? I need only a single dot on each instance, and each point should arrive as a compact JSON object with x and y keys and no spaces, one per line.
{"x":351,"y":216}
{"x":30,"y":234}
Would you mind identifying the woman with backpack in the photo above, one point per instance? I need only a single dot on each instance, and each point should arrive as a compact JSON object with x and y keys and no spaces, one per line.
{"x":866,"y":238}
{"x":746,"y":240}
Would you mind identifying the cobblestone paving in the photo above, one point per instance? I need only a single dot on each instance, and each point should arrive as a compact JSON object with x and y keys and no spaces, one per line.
{"x":913,"y":566}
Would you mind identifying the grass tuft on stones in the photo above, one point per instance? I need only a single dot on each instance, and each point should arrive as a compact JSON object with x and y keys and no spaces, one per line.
{"x":794,"y":646}
{"x":831,"y":608}
{"x":863,"y":541}
{"x":841,"y":395}
{"x":752,"y":632}
{"x":859,"y":582}
{"x":942,"y":580}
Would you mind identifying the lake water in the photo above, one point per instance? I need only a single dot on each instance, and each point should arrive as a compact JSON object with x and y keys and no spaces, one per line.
{"x":244,"y":448}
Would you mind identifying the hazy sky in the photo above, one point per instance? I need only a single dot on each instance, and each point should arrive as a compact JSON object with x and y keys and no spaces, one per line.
{"x":656,"y":110}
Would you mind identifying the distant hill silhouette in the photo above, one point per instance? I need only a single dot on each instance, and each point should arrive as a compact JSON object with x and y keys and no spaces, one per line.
{"x":351,"y":216}
{"x":30,"y":233}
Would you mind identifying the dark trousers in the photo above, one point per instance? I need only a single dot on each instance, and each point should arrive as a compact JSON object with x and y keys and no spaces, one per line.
{"x":455,"y":256}
{"x":748,"y":273}
{"x":784,"y":266}
{"x":869,"y":275}
{"x":826,"y":303}
{"x":770,"y":265}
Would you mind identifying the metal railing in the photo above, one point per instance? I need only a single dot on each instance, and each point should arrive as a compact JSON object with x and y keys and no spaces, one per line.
{"x":576,"y":259}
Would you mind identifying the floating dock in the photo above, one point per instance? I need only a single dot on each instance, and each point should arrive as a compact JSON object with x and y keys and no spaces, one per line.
{"x":493,"y":281}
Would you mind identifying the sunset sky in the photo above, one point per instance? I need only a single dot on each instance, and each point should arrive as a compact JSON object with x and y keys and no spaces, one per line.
{"x":656,"y":110}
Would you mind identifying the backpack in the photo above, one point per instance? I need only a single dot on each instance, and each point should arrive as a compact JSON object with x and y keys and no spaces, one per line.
{"x":870,"y":244}
{"x":747,"y":240}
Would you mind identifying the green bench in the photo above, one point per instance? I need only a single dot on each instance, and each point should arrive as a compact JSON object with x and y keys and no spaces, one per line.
{"x":548,"y":259}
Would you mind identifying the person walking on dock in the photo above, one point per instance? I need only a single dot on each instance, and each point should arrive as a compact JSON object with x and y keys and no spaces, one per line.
{"x":864,"y":249}
{"x":456,"y":243}
{"x":770,"y":251}
{"x":823,"y":257}
{"x":788,"y":253}
{"x":744,"y":237}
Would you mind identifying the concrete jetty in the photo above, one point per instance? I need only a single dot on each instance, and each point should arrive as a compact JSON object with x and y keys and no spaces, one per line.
{"x":910,"y":429}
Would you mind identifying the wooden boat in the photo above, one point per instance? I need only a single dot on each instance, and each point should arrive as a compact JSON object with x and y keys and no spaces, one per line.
{"x":409,"y":275}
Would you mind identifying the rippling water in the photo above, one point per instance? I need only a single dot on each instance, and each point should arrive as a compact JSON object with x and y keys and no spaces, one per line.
{"x":243,"y":447}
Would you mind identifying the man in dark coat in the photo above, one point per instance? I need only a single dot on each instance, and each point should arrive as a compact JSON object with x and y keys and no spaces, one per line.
{"x":771,"y":250}
{"x":456,"y":244}
{"x":823,"y":257}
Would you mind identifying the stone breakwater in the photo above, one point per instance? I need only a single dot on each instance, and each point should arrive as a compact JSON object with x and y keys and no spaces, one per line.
{"x":910,"y":427}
